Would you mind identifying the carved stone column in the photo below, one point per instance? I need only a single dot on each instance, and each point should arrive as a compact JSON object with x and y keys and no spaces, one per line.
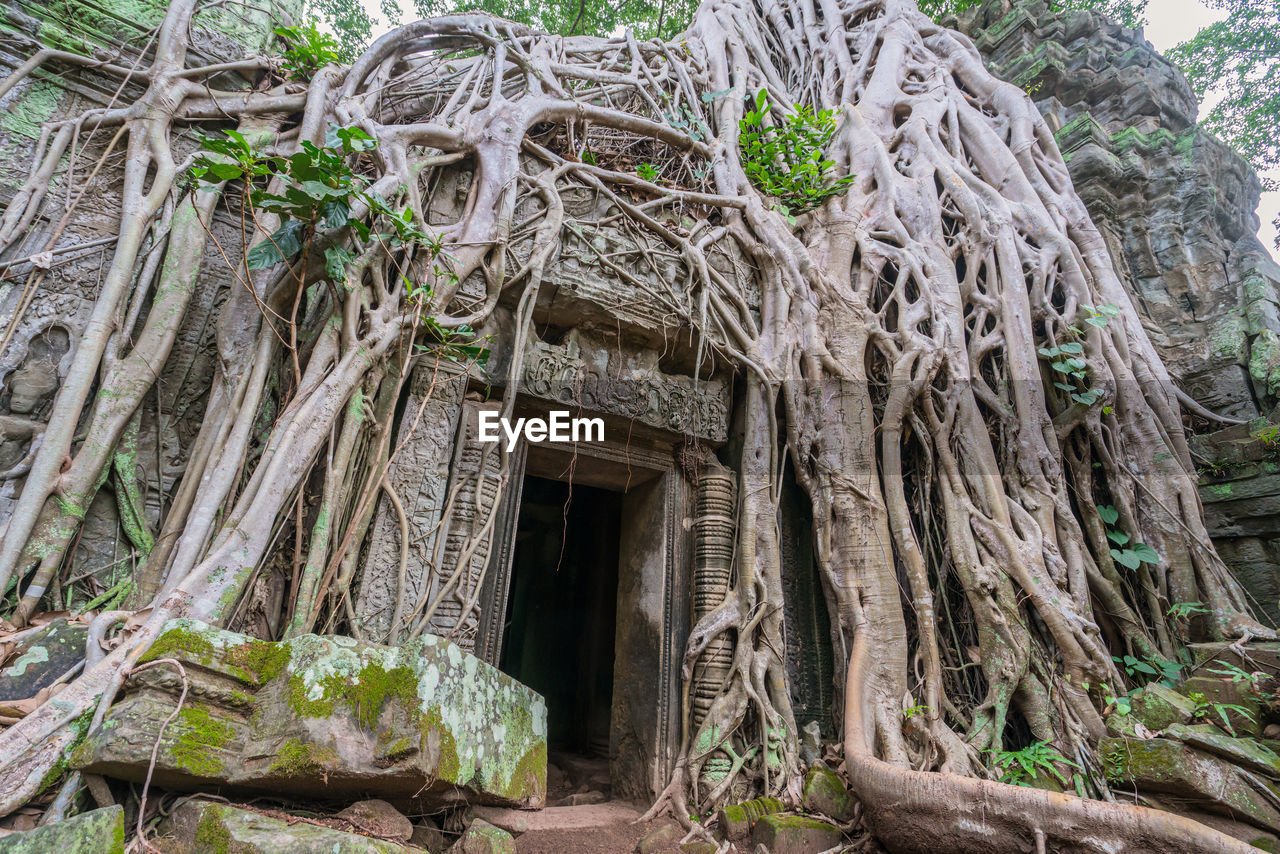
{"x":466,"y":533}
{"x":713,"y":541}
{"x":420,"y":475}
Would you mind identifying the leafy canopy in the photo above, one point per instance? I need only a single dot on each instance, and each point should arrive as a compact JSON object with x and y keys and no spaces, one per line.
{"x":1238,"y":58}
{"x":648,"y":18}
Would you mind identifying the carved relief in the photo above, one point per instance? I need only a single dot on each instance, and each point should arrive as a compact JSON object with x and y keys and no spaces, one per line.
{"x":462,"y":548}
{"x":586,"y":374}
{"x":420,"y":475}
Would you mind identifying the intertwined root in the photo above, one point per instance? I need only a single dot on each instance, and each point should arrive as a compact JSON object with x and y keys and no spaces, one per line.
{"x":889,"y":343}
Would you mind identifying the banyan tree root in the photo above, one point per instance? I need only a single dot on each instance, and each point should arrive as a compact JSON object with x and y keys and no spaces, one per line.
{"x":889,"y":343}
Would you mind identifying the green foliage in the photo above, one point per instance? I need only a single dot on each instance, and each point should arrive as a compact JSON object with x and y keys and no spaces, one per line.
{"x":787,"y":161}
{"x":321,"y":190}
{"x":350,"y":23}
{"x":1206,"y":709}
{"x":306,"y":50}
{"x":1238,"y":59}
{"x":1065,"y":359}
{"x":913,"y":711}
{"x":1126,"y":552}
{"x":1227,"y":670}
{"x":1185,"y":610}
{"x":662,"y":19}
{"x":647,"y":172}
{"x":1166,"y":672}
{"x":1019,"y":767}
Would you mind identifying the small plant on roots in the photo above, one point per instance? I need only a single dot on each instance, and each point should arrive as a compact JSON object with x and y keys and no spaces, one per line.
{"x":787,"y":160}
{"x":1020,"y":767}
{"x":306,"y":50}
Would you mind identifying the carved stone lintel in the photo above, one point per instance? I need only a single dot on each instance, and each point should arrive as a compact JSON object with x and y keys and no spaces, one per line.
{"x":600,"y":378}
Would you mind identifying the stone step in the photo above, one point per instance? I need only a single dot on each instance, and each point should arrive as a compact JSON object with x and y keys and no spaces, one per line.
{"x":558,"y":818}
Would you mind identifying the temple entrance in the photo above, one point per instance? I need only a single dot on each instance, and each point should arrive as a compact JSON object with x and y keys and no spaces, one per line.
{"x":559,"y":629}
{"x":585,"y":603}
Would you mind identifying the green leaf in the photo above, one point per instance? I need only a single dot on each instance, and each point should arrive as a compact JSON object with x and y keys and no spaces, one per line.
{"x":283,"y":243}
{"x":1145,"y":553}
{"x":1074,"y":348}
{"x":336,"y":260}
{"x":1126,"y":558}
{"x":1120,"y":538}
{"x":335,"y":213}
{"x":1108,"y":514}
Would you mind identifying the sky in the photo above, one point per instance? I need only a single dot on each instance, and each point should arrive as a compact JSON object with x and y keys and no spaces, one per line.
{"x":1168,"y":23}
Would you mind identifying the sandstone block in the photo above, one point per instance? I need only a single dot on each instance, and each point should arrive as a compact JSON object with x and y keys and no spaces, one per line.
{"x":420,"y":724}
{"x":97,"y":832}
{"x":206,"y":827}
{"x":42,"y":658}
{"x":737,"y":820}
{"x":824,"y":792}
{"x":483,"y":838}
{"x":794,"y":834}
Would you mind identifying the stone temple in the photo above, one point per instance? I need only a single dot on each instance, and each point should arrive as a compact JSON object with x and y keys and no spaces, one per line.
{"x":559,"y":615}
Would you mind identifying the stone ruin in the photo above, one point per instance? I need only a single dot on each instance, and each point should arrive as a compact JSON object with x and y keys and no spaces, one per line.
{"x":460,"y":716}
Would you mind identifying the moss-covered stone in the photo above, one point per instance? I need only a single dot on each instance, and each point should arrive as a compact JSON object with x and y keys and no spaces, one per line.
{"x":1158,"y":706}
{"x":736,"y":820}
{"x":321,"y":714}
{"x":825,"y":793}
{"x":97,"y":832}
{"x":204,"y":827}
{"x":1163,"y":765}
{"x":794,"y":834}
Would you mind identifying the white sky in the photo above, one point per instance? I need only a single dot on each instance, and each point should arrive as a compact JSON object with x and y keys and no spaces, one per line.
{"x":1168,"y":23}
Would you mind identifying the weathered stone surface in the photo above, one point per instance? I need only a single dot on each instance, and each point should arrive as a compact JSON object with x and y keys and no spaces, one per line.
{"x":736,"y":820}
{"x":661,"y":838}
{"x":483,"y":838}
{"x":557,"y":818}
{"x":428,"y":836}
{"x":794,"y":834}
{"x":1245,"y":718}
{"x":1163,"y":765}
{"x":419,"y":472}
{"x":1158,"y":706}
{"x":378,"y":818}
{"x":824,"y":792}
{"x":424,"y":723}
{"x":1246,"y":752}
{"x":205,"y":827}
{"x":97,"y":832}
{"x":42,"y":658}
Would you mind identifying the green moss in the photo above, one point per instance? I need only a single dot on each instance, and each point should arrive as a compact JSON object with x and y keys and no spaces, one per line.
{"x":530,"y":777}
{"x":263,"y":660}
{"x":365,"y":695}
{"x":177,"y":641}
{"x":298,"y":758}
{"x":448,"y":765}
{"x":35,"y":107}
{"x":198,"y":738}
{"x":212,"y":836}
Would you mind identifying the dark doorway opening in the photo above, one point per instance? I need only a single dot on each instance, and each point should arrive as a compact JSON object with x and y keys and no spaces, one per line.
{"x":559,"y":632}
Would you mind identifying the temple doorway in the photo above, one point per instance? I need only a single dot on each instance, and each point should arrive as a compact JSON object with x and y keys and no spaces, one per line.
{"x":559,"y":630}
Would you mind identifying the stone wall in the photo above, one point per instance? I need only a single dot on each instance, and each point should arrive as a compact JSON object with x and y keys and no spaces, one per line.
{"x":1176,"y":206}
{"x":46,"y":296}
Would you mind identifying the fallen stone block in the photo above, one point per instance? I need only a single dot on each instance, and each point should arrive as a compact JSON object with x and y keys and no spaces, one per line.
{"x":662,"y":838}
{"x":419,"y":725}
{"x":1245,"y":719}
{"x":1163,"y":765}
{"x":378,"y":818}
{"x":41,"y":658}
{"x":794,"y":834}
{"x":736,"y":820}
{"x":557,"y":818}
{"x":825,"y":793}
{"x":97,"y":832}
{"x":207,"y":827}
{"x":483,"y":838}
{"x":1247,"y":752}
{"x":1158,"y":706}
